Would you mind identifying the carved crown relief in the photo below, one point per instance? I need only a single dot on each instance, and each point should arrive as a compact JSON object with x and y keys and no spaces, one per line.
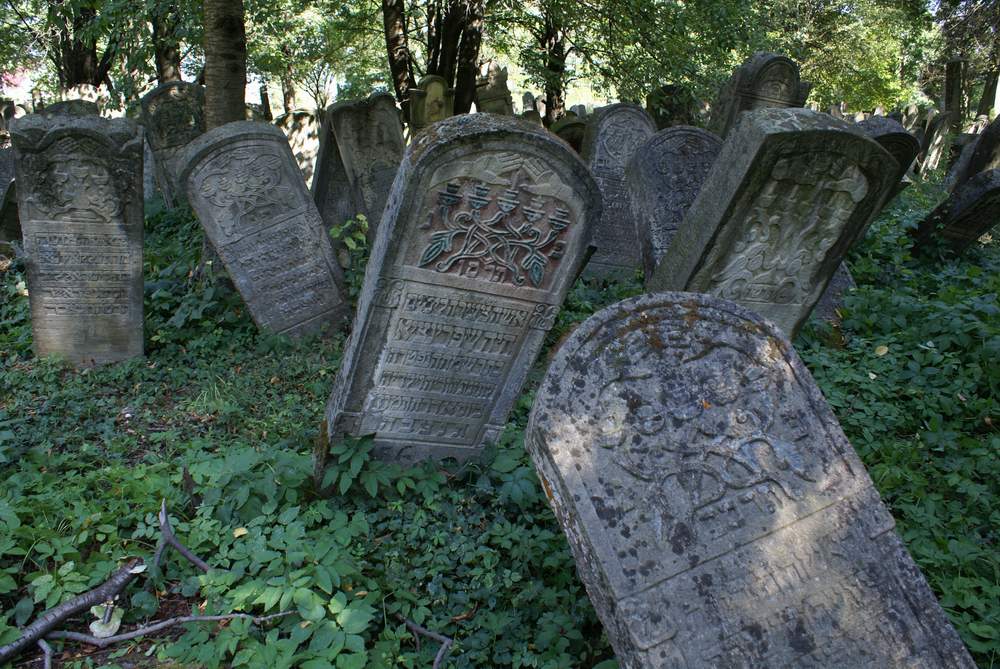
{"x":72,"y":182}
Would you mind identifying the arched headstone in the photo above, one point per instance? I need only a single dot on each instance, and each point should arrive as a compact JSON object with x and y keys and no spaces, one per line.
{"x":431,"y":101}
{"x":173,"y":115}
{"x":764,"y":80}
{"x":571,"y":131}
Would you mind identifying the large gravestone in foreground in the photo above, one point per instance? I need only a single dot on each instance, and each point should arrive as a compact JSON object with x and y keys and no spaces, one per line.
{"x":486,"y":227}
{"x":968,"y":213}
{"x":612,"y":135}
{"x":716,"y":512}
{"x":664,"y":177}
{"x":791,"y":190}
{"x":764,"y":80}
{"x":173,"y":114}
{"x":79,"y":190}
{"x":246,"y":188}
{"x":302,"y":129}
{"x":361,"y":144}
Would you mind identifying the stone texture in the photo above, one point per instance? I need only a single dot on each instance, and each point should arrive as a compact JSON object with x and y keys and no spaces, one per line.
{"x":486,"y":228}
{"x":934,"y":144}
{"x":149,"y":188}
{"x":245,"y":187}
{"x":532,"y":116}
{"x":431,"y":101}
{"x":10,"y":226}
{"x":173,"y":115}
{"x":73,"y":108}
{"x":664,"y":177}
{"x":764,"y":80}
{"x":984,"y":154}
{"x":361,"y":144}
{"x":970,"y":212}
{"x":302,"y":130}
{"x":613,"y":134}
{"x":571,"y":131}
{"x":492,"y":94}
{"x":579,"y":110}
{"x":79,"y":191}
{"x":833,"y":297}
{"x":717,"y":514}
{"x":790,"y":192}
{"x":893,"y":137}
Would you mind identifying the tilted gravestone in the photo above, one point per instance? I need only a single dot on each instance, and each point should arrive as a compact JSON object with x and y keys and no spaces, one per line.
{"x":485,"y":231}
{"x":492,"y":94}
{"x":10,"y":226}
{"x":894,"y":138}
{"x":613,"y":134}
{"x":764,"y":80}
{"x":79,"y":191}
{"x":431,"y":101}
{"x":571,"y":131}
{"x":173,"y":115}
{"x":934,"y":144}
{"x":664,"y":177}
{"x":716,"y":512}
{"x":984,"y":154}
{"x":360,"y":147}
{"x":968,"y":213}
{"x":791,"y":190}
{"x":302,"y":130}
{"x":245,"y":187}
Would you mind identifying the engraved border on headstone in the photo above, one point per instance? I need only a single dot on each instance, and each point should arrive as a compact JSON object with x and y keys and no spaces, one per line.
{"x":173,"y":114}
{"x":245,"y":187}
{"x":971,"y":211}
{"x":79,"y":190}
{"x":791,"y":191}
{"x":764,"y":80}
{"x":716,"y":512}
{"x":485,"y":230}
{"x":663,"y":178}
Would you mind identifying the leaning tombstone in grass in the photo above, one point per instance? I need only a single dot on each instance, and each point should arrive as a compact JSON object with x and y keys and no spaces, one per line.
{"x":486,"y":229}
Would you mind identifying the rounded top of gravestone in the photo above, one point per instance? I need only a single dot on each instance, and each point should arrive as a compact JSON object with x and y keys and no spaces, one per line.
{"x":236,"y":131}
{"x":773,"y":120}
{"x":986,"y":155}
{"x":432,"y":80}
{"x":891,"y":134}
{"x":72,"y":108}
{"x":36,"y":129}
{"x":175,"y":89}
{"x":371,"y":102}
{"x":624,"y":113}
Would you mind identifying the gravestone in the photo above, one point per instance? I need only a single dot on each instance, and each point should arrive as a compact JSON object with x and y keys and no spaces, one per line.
{"x":935,"y":141}
{"x":613,"y":134}
{"x":764,"y":80}
{"x":532,"y":116}
{"x":716,"y":512}
{"x":173,"y":115}
{"x":79,"y":191}
{"x":302,"y":130}
{"x":911,"y":117}
{"x":72,"y":108}
{"x":247,"y":190}
{"x":835,"y":112}
{"x":984,"y":154}
{"x":790,"y":192}
{"x":431,"y":101}
{"x":664,"y":177}
{"x":671,"y":105}
{"x":361,"y":144}
{"x":10,"y":226}
{"x":527,"y":102}
{"x":492,"y":94}
{"x":148,"y":173}
{"x":486,"y":228}
{"x":968,"y":213}
{"x":571,"y":131}
{"x":579,"y":110}
{"x":894,"y":138}
{"x":954,"y":87}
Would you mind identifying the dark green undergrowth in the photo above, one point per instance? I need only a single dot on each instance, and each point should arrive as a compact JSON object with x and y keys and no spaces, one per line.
{"x":220,"y":422}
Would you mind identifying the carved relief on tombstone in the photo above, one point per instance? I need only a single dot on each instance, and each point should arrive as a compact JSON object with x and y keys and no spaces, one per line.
{"x":716,"y":512}
{"x":664,"y":177}
{"x":79,"y":190}
{"x":361,"y":144}
{"x":302,"y":130}
{"x":485,"y":230}
{"x":613,"y":134}
{"x":431,"y":101}
{"x":246,"y":188}
{"x":173,"y":114}
{"x":492,"y":94}
{"x":968,"y":213}
{"x":791,"y":190}
{"x":765,"y":80}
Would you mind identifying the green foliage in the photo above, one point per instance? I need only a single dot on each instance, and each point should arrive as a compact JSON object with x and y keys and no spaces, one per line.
{"x":351,"y":241}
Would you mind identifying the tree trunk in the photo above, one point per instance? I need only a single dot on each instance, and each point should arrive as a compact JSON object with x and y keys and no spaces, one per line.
{"x":75,"y":58}
{"x":398,"y":49}
{"x":166,"y":46}
{"x":225,"y":62}
{"x":265,"y":103}
{"x":468,"y":57}
{"x":954,"y":90}
{"x":555,"y":66}
{"x":445,"y":62}
{"x":287,"y":92}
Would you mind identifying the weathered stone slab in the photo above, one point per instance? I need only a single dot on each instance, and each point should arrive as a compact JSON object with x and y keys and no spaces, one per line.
{"x":613,"y":134}
{"x":492,"y":94}
{"x":901,"y":145}
{"x":833,"y":297}
{"x":79,"y":191}
{"x":485,"y":231}
{"x":174,"y":115}
{"x":361,"y":144}
{"x":764,"y":80}
{"x":148,"y":173}
{"x":532,"y":116}
{"x":302,"y":130}
{"x":579,"y":110}
{"x":73,"y":108}
{"x":934,"y":144}
{"x":664,"y":177}
{"x":10,"y":226}
{"x":246,"y":188}
{"x":970,"y":212}
{"x":984,"y":154}
{"x":431,"y":101}
{"x":791,"y":190}
{"x":571,"y":131}
{"x":717,"y":514}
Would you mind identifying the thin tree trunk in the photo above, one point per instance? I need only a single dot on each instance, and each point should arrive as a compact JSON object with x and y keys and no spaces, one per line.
{"x":398,"y":50}
{"x":287,"y":93}
{"x":452,"y":26}
{"x":225,"y":62}
{"x":265,"y":103}
{"x":166,"y":46}
{"x":468,"y":58}
{"x":988,"y":98}
{"x":555,"y":65}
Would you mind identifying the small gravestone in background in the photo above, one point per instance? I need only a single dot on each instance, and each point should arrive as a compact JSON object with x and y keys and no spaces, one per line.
{"x":571,"y":131}
{"x":79,"y":190}
{"x":716,"y":512}
{"x":173,"y":114}
{"x":613,"y":134}
{"x":492,"y":94}
{"x":894,"y":138}
{"x":968,"y":213}
{"x":361,"y":144}
{"x":148,"y":172}
{"x":935,"y":142}
{"x":672,"y":105}
{"x":485,"y":231}
{"x":911,"y":116}
{"x":579,"y":110}
{"x":431,"y":101}
{"x":764,"y":80}
{"x":302,"y":130}
{"x":790,"y":192}
{"x":247,"y":190}
{"x":532,"y":116}
{"x":527,"y":102}
{"x":10,"y":226}
{"x":72,"y":108}
{"x":664,"y":177}
{"x":984,"y":154}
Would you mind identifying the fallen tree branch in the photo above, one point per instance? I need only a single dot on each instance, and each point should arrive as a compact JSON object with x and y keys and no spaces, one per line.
{"x":440,"y":638}
{"x":156,"y":627}
{"x":54,"y":616}
{"x":170,"y":538}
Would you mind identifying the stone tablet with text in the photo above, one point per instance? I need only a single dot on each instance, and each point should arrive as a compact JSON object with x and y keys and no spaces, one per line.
{"x":173,"y":114}
{"x":716,"y":512}
{"x":486,"y":227}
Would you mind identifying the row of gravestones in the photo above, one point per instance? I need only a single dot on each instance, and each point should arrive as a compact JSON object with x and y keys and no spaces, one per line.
{"x":684,"y":447}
